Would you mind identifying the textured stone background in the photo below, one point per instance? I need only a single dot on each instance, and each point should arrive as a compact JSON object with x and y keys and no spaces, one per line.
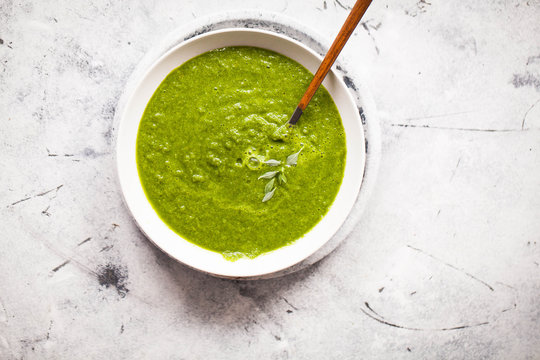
{"x":445,"y":262}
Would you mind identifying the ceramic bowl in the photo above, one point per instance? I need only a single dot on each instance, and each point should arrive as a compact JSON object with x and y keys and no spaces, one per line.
{"x":186,"y":252}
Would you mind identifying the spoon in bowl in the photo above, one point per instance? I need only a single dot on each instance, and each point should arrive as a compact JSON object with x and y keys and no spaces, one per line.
{"x":347,"y":29}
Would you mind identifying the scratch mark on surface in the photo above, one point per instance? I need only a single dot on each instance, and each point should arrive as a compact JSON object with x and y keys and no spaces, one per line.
{"x":46,"y":212}
{"x":453,"y":174}
{"x":50,"y":154}
{"x":291,"y":305}
{"x":342,"y":6}
{"x":37,"y":195}
{"x":527,"y":113}
{"x":511,"y":308}
{"x":3,"y":313}
{"x":438,"y":212}
{"x":439,"y":115}
{"x":388,"y":323}
{"x":421,"y":7}
{"x":20,"y":201}
{"x":78,"y":15}
{"x":367,"y":26}
{"x":456,"y":129}
{"x":508,"y":286}
{"x":48,"y":191}
{"x":84,"y":241}
{"x":516,"y":296}
{"x":106,"y":248}
{"x":373,"y":311}
{"x":453,"y":267}
{"x":49,"y":330}
{"x":122,"y":329}
{"x":60,"y":266}
{"x":33,"y":341}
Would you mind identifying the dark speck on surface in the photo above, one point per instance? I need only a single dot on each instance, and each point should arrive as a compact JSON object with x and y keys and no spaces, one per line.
{"x":350,"y":84}
{"x":362,"y":115}
{"x":89,"y":152}
{"x":115,"y":276}
{"x":1,"y":41}
{"x":527,"y":79}
{"x":530,"y":60}
{"x":201,"y":31}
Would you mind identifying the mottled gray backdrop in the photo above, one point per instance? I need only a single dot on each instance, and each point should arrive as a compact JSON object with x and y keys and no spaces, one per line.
{"x":445,"y":262}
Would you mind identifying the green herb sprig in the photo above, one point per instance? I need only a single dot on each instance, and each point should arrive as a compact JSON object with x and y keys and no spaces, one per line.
{"x":272,"y":184}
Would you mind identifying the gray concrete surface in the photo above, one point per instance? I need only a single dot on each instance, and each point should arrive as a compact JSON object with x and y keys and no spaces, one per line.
{"x":445,"y":263}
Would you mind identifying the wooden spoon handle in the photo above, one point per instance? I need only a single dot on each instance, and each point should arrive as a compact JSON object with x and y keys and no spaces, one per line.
{"x":347,"y":29}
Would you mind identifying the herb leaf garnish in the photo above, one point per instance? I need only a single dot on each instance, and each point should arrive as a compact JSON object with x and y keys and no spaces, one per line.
{"x":269,"y":195}
{"x":293,"y":159}
{"x":268,"y":175}
{"x":272,"y":162}
{"x":269,"y":186}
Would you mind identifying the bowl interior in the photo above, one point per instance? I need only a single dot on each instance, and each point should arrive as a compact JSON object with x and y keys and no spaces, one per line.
{"x":192,"y":255}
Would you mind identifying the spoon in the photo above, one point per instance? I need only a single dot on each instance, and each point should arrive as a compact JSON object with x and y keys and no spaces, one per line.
{"x":347,"y":29}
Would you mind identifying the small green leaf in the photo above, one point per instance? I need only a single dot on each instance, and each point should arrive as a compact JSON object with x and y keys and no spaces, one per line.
{"x":268,"y":175}
{"x":293,"y":159}
{"x":269,"y":195}
{"x":269,"y":185}
{"x":272,"y":162}
{"x":282,"y":178}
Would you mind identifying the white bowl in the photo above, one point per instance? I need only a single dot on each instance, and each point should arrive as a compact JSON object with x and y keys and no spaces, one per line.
{"x":190,"y":254}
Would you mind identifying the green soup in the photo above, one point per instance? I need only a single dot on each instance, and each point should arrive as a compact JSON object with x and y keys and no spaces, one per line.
{"x":213,"y":144}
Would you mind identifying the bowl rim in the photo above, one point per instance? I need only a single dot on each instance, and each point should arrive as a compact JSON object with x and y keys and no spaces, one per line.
{"x":133,"y":211}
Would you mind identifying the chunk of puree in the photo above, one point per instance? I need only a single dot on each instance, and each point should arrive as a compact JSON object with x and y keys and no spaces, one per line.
{"x":204,"y":138}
